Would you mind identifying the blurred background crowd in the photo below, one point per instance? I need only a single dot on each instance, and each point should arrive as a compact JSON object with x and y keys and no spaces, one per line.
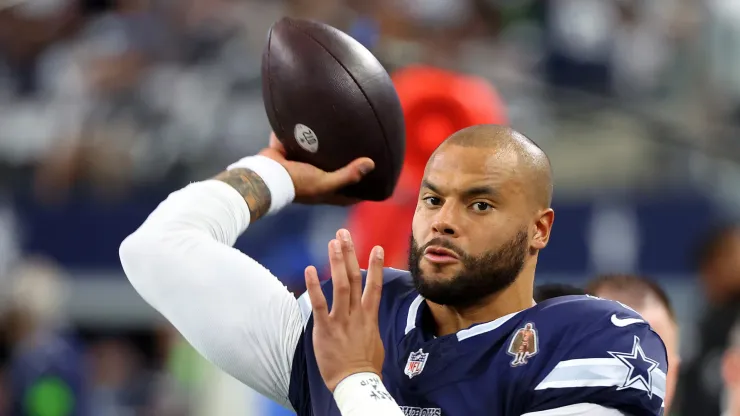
{"x":106,"y":106}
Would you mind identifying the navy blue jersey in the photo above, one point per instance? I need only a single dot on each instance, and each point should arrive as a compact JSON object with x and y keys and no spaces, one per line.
{"x":565,"y":351}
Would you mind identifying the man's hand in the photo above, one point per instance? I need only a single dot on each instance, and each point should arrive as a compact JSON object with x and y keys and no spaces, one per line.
{"x":347,"y":339}
{"x":313,"y":185}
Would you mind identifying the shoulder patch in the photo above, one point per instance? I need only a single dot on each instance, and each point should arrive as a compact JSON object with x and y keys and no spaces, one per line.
{"x":524,"y":345}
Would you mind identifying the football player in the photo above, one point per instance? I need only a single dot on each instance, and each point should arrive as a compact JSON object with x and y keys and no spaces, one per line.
{"x":457,"y":334}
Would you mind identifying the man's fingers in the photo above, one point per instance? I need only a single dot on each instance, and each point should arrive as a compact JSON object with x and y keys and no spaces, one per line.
{"x":318,"y":301}
{"x":353,"y":269}
{"x":275,"y":144}
{"x":347,"y":175}
{"x":340,"y":281}
{"x":373,"y":283}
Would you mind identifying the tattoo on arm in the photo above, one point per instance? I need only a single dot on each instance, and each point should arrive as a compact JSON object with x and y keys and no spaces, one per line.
{"x":251,"y":187}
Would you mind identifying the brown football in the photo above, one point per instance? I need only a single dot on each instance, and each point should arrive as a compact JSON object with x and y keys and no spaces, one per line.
{"x":330,"y":101}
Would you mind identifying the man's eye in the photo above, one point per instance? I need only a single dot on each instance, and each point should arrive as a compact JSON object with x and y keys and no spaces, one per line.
{"x":432,"y":200}
{"x":482,"y":206}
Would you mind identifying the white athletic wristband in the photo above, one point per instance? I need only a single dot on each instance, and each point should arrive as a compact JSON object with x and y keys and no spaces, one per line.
{"x":363,"y":394}
{"x":277,"y":179}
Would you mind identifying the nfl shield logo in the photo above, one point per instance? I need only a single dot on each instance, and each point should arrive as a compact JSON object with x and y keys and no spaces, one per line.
{"x":415,"y":364}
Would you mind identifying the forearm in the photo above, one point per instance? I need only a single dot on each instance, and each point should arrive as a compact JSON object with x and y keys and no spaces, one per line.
{"x":228,"y":306}
{"x":251,"y":187}
{"x":256,"y":179}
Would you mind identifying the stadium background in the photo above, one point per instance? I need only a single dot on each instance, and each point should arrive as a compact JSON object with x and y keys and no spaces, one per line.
{"x":107,"y":106}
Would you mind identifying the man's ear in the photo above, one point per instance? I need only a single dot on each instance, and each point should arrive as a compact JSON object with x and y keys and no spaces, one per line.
{"x":542,"y":228}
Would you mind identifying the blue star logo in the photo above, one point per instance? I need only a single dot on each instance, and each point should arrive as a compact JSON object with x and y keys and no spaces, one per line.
{"x":640,"y":367}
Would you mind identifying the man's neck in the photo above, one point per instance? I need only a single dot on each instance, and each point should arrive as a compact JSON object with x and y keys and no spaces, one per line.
{"x":514,"y":298}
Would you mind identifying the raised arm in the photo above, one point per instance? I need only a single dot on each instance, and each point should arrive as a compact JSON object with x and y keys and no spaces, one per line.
{"x":228,"y":306}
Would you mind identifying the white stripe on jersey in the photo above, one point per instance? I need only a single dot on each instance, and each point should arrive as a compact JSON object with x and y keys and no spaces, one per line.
{"x":597,"y":372}
{"x":580,"y":409}
{"x":462,"y":334}
{"x":413,"y":311}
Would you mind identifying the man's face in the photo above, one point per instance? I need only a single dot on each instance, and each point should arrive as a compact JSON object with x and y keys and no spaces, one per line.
{"x":472,"y":226}
{"x":720,"y":277}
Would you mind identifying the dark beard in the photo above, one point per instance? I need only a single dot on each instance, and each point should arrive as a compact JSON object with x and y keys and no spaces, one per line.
{"x":481,"y":277}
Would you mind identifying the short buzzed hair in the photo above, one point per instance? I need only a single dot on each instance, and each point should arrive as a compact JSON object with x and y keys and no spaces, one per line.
{"x":530,"y":154}
{"x":635,"y":289}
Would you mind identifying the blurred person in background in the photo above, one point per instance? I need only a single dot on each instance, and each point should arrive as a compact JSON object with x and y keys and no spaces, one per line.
{"x":137,"y":90}
{"x":731,"y":374}
{"x":718,"y":261}
{"x":652,"y":303}
{"x":27,"y":29}
{"x":641,"y":49}
{"x":612,"y":47}
{"x":46,"y":372}
{"x":44,"y":111}
{"x":577,"y":40}
{"x":723,"y":45}
{"x":118,"y":384}
{"x":4,"y":394}
{"x":718,"y":264}
{"x":94,"y":74}
{"x":30,"y":33}
{"x":547,"y":291}
{"x":432,"y":32}
{"x":154,"y":372}
{"x":332,"y":12}
{"x":190,"y":385}
{"x":9,"y":256}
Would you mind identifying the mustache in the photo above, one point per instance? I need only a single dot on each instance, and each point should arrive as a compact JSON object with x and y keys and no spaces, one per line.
{"x":444,"y":243}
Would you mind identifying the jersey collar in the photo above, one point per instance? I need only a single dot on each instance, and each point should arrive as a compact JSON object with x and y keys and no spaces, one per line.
{"x":413,"y":318}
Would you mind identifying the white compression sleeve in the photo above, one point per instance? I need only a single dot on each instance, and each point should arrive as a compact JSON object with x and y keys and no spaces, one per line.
{"x":363,"y":394}
{"x":228,"y":306}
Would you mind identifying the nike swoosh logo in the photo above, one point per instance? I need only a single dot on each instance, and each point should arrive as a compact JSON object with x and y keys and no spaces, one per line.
{"x":626,"y":321}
